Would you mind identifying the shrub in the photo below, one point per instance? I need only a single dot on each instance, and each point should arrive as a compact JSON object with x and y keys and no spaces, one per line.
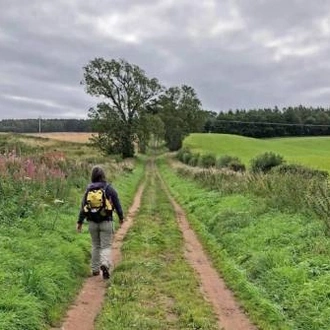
{"x":236,"y":166}
{"x":184,"y":155}
{"x":224,"y":161}
{"x":179,"y":154}
{"x":207,"y":160}
{"x":194,"y":160}
{"x":231,"y":162}
{"x":265,"y":162}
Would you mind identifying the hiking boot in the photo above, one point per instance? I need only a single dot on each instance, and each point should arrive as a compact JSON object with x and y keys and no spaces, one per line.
{"x":95,"y":272}
{"x":105,"y":272}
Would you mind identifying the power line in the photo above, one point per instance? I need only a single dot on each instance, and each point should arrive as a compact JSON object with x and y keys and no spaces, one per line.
{"x":270,"y":123}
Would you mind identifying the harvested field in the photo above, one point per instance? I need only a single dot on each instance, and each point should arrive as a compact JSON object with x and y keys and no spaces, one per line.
{"x":80,"y":137}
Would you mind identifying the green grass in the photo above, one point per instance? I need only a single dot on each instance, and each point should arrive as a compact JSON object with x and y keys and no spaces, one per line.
{"x":42,"y":267}
{"x":153,"y":287}
{"x":43,"y":260}
{"x":310,"y":151}
{"x":275,"y":261}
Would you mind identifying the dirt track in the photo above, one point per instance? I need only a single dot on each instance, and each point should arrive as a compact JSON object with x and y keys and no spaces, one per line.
{"x":89,"y":302}
{"x":230,"y":315}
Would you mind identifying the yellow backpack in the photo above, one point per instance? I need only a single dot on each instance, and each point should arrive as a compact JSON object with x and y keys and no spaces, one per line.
{"x":96,"y":203}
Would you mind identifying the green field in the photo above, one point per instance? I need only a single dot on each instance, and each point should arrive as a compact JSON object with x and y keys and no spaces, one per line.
{"x":310,"y":151}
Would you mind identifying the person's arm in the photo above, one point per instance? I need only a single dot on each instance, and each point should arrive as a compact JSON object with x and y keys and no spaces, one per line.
{"x":116,"y":203}
{"x":81,"y":215}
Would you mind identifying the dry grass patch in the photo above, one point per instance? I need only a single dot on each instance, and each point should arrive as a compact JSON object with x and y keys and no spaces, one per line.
{"x":80,"y":137}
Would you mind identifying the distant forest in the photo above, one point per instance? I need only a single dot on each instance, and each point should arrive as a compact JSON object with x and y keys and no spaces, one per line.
{"x":45,"y":125}
{"x":258,"y":123}
{"x":263,"y":123}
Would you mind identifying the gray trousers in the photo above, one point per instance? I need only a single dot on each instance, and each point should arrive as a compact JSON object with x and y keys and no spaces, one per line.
{"x":101,"y":243}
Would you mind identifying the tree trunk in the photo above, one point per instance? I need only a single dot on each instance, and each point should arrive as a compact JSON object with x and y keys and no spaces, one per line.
{"x":127,"y":143}
{"x":142,"y":147}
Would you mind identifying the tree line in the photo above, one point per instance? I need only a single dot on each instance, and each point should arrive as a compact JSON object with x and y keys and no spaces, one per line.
{"x":266,"y":123}
{"x":45,"y":125}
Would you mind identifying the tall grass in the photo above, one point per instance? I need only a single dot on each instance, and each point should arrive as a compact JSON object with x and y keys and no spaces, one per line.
{"x":29,"y":184}
{"x":266,"y":239}
{"x":286,"y":191}
{"x":43,"y":260}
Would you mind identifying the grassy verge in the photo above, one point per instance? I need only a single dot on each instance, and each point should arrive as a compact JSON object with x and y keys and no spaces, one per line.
{"x":43,"y":260}
{"x":276,"y":262}
{"x":153,"y":287}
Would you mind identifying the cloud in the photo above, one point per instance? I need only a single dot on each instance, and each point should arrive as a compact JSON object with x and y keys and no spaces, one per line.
{"x":235,"y":53}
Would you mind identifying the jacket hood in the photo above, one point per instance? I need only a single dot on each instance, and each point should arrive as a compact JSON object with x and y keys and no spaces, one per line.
{"x":96,"y":185}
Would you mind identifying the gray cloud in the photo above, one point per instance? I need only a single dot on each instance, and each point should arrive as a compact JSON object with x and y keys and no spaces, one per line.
{"x":235,"y":53}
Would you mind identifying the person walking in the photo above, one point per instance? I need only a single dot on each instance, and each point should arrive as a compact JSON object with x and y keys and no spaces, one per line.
{"x":99,"y":202}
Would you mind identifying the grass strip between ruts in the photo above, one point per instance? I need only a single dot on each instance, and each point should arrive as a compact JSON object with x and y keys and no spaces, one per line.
{"x":153,"y":287}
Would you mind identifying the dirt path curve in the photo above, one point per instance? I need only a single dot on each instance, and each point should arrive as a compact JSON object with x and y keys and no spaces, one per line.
{"x":82,"y":313}
{"x":230,"y":314}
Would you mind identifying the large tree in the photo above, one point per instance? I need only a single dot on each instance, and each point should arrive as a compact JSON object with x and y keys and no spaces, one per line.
{"x":181,"y":111}
{"x":126,"y":92}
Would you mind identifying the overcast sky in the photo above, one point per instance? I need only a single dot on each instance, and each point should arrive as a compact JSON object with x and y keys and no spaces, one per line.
{"x":234,"y":53}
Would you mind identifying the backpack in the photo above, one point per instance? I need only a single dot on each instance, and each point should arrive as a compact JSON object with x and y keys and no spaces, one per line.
{"x":97,"y":204}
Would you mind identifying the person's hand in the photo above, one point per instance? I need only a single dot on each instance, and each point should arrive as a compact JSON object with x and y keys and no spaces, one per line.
{"x":79,"y":227}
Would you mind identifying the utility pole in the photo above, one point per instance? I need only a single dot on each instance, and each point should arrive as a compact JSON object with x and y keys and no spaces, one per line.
{"x":39,"y":124}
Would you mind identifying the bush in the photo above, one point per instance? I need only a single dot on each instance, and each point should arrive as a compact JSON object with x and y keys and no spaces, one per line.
{"x":184,"y":155}
{"x":194,"y":160}
{"x":225,"y":160}
{"x":236,"y":166}
{"x":179,"y":154}
{"x":303,"y":171}
{"x":207,"y":160}
{"x":231,"y":162}
{"x":265,"y":162}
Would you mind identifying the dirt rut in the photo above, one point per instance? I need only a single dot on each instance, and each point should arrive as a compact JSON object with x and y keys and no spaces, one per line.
{"x":82,"y":313}
{"x":230,"y":314}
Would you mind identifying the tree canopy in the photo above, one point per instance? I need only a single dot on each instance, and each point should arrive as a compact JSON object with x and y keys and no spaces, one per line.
{"x":180,"y":110}
{"x":126,"y":92}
